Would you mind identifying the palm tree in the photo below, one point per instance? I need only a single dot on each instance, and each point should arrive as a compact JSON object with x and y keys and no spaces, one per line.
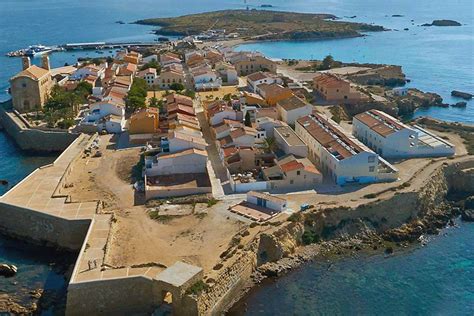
{"x":269,"y":145}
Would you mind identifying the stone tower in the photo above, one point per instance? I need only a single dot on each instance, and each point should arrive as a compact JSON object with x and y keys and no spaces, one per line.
{"x":26,"y":62}
{"x":45,"y":62}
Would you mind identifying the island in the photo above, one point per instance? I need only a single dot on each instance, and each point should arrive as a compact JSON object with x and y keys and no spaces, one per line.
{"x":443,"y":23}
{"x":261,"y":24}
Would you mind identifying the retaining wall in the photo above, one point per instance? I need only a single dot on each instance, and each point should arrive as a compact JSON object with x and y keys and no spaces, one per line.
{"x":42,"y":228}
{"x":32,"y":139}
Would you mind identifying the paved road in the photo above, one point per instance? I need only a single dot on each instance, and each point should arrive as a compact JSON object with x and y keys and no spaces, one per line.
{"x":219,"y":169}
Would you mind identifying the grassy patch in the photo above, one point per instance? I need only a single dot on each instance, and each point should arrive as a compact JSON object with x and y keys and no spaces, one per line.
{"x":211,"y":202}
{"x":309,"y":237}
{"x":155,"y":215}
{"x":197,"y":288}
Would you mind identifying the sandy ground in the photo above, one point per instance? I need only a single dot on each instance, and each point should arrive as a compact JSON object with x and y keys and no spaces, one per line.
{"x":136,"y":239}
{"x":211,"y":95}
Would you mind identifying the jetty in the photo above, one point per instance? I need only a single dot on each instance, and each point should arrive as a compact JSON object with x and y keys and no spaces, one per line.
{"x":87,"y":46}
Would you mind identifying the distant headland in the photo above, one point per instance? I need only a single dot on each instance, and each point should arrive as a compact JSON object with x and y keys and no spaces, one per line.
{"x":262,"y":24}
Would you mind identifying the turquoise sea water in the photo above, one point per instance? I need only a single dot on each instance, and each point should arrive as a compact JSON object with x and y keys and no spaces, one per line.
{"x":436,"y":59}
{"x":436,"y":279}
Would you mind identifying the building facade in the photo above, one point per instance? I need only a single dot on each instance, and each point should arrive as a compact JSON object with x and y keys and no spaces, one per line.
{"x":30,"y":89}
{"x":339,"y":156}
{"x":392,"y":139}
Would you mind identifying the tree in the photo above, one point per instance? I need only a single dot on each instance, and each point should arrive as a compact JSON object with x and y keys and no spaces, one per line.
{"x":327,"y":63}
{"x":227,"y":97}
{"x":155,"y":103}
{"x":247,"y":119}
{"x":136,"y":97}
{"x":189,"y":93}
{"x":177,"y":86}
{"x":269,"y":145}
{"x":152,"y":64}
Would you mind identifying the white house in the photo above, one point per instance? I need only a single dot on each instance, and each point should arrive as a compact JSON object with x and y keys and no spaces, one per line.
{"x":268,"y":124}
{"x":206,"y":79}
{"x":106,"y":115}
{"x":217,"y":114}
{"x":292,"y":108}
{"x":228,"y":73}
{"x":392,"y":139}
{"x":181,"y":140}
{"x":186,"y":161}
{"x":257,"y":78}
{"x":267,"y":200}
{"x":149,"y":75}
{"x":289,"y":142}
{"x":89,"y":70}
{"x":340,"y":156}
{"x":111,"y":123}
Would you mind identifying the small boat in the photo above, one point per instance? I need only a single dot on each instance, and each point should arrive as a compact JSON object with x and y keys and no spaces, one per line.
{"x":3,"y":182}
{"x":36,"y":50}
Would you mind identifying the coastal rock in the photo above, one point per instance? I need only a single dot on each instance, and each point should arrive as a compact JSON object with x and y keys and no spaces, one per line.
{"x":468,"y":215}
{"x":459,"y":105}
{"x":460,"y":94}
{"x":442,"y":23}
{"x":8,"y":270}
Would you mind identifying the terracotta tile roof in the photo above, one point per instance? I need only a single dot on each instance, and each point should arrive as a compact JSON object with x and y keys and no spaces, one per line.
{"x":330,"y":137}
{"x":180,"y":107}
{"x":292,"y":103}
{"x":226,"y":141}
{"x":273,"y":89}
{"x":230,"y":151}
{"x":257,"y":76}
{"x":380,"y":122}
{"x":180,"y":99}
{"x":292,"y":165}
{"x":328,"y":80}
{"x":241,"y":131}
{"x":34,"y":72}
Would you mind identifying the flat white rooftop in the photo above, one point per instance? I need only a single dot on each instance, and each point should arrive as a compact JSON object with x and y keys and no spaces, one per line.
{"x":178,"y":274}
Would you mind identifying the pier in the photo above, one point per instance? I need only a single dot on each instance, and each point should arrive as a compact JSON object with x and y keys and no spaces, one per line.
{"x":88,"y":46}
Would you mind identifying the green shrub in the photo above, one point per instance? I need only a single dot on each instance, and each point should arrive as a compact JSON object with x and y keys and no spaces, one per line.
{"x":197,"y":288}
{"x":309,"y":237}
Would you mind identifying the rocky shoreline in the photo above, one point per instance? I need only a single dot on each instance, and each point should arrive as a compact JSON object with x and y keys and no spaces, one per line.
{"x":368,"y":242}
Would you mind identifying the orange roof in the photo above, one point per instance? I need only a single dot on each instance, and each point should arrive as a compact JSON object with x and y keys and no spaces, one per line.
{"x":380,"y":122}
{"x":172,"y":108}
{"x":330,"y":137}
{"x":34,"y":72}
{"x":178,"y":98}
{"x":292,"y":165}
{"x":273,"y":89}
{"x":328,"y":80}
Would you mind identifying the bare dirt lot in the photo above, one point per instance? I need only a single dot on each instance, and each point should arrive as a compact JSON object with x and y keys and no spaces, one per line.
{"x":198,"y":235}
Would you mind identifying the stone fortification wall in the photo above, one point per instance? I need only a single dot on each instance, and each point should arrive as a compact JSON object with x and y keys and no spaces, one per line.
{"x":42,"y":228}
{"x":228,"y":284}
{"x":32,"y":139}
{"x":120,"y":296}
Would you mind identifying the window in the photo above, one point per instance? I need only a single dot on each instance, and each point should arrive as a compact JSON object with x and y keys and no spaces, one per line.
{"x":292,"y":181}
{"x":371,"y":159}
{"x":298,"y":173}
{"x":371,"y":169}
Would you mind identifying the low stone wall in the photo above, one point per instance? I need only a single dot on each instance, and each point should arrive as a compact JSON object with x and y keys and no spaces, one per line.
{"x":32,"y":139}
{"x":229,"y":284}
{"x":38,"y":227}
{"x":120,"y":296}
